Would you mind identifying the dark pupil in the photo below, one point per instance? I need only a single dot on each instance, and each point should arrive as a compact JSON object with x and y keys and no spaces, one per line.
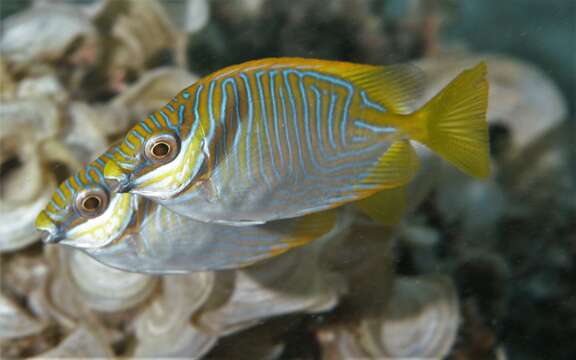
{"x":161,"y":149}
{"x":91,"y":203}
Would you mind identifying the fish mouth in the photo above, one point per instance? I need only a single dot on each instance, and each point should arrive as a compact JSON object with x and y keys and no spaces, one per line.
{"x":125,"y":187}
{"x":52,"y":238}
{"x":120,"y":184}
{"x":51,"y":231}
{"x":117,"y":179}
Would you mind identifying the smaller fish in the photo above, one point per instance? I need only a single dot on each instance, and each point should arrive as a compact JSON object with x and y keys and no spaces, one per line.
{"x":132,"y":233}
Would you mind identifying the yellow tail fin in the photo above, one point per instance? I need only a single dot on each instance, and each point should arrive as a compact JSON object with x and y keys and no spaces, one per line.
{"x":453,"y":123}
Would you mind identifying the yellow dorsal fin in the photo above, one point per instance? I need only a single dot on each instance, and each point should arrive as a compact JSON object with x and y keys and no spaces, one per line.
{"x":386,"y":207}
{"x":396,"y":87}
{"x":396,"y":167}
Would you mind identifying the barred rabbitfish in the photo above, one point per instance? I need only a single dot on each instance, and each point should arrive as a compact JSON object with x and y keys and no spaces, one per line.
{"x":135,"y":234}
{"x":285,"y":137}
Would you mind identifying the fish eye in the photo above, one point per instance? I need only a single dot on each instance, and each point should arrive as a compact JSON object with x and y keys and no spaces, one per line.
{"x":161,"y":148}
{"x":92,"y":202}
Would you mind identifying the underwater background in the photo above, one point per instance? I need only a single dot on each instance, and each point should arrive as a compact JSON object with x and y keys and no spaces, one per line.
{"x":476,"y":270}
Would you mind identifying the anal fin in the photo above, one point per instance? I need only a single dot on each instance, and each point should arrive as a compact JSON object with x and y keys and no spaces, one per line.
{"x":307,"y":228}
{"x":395,"y":168}
{"x":386,"y":207}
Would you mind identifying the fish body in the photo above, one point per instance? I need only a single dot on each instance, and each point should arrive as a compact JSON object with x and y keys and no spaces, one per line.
{"x":281,"y":138}
{"x":168,"y":243}
{"x":135,"y":234}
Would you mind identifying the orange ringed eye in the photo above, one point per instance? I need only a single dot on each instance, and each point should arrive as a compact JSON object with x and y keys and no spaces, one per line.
{"x":91,"y":203}
{"x":161,"y":149}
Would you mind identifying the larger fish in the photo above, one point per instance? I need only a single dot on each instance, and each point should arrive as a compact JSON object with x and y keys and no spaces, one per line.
{"x":134,"y":234}
{"x":285,"y":137}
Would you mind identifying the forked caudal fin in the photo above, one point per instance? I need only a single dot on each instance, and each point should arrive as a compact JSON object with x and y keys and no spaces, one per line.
{"x":453,"y":123}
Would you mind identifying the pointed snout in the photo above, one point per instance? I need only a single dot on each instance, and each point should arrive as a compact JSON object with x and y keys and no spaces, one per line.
{"x":116,"y":178}
{"x":51,"y":232}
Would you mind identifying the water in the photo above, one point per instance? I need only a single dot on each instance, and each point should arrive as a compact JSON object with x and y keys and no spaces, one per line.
{"x":491,"y":263}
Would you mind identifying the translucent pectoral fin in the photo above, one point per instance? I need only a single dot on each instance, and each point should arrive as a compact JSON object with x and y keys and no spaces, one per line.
{"x":386,"y":207}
